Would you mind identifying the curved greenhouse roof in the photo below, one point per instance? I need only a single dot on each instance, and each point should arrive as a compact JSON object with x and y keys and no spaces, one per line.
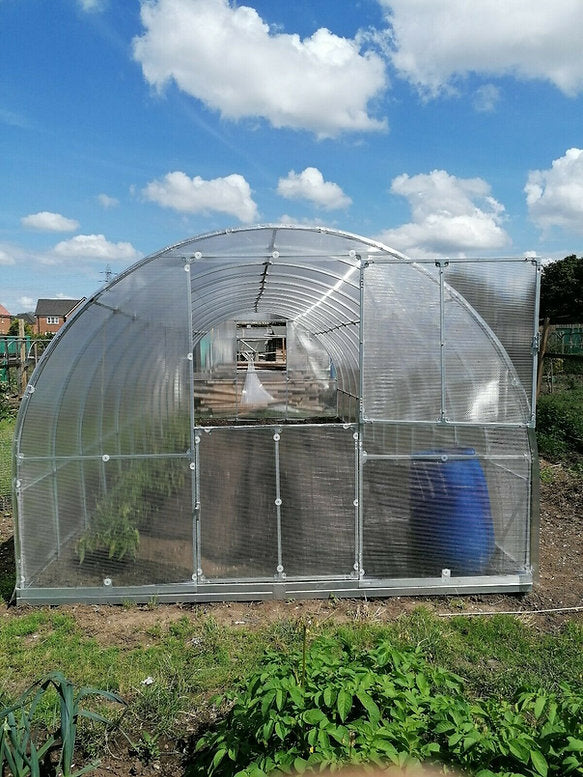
{"x":356,"y":357}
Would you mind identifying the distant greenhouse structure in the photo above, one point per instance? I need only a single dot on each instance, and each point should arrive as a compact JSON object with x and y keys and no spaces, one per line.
{"x":283,"y":411}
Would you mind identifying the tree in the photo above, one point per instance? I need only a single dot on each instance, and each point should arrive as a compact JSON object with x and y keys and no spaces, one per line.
{"x":14,"y":328}
{"x":562,"y":291}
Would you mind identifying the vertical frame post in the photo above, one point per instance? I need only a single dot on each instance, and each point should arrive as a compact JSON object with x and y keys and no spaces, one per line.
{"x":535,"y":339}
{"x":280,"y":568}
{"x":442,"y":341}
{"x":361,"y":415}
{"x":194,"y":438}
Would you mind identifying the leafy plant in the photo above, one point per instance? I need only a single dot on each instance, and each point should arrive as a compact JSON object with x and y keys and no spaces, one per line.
{"x":21,"y":754}
{"x":130,"y":506}
{"x":329,"y":703}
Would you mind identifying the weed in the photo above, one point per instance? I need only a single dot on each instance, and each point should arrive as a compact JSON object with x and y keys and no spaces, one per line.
{"x":147,"y":748}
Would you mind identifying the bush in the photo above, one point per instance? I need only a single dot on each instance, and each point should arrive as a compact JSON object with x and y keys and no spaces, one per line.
{"x":560,"y":424}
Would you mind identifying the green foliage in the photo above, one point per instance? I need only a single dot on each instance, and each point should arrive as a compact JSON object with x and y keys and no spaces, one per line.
{"x":562,"y":290}
{"x":130,"y":506}
{"x":329,"y":703}
{"x":560,"y":424}
{"x":20,"y":750}
{"x":14,"y":329}
{"x":7,"y":407}
{"x":132,"y":501}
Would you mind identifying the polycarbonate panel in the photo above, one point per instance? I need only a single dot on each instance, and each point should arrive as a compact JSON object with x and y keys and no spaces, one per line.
{"x":262,"y":241}
{"x":504,"y":294}
{"x":317,"y":489}
{"x":37,"y":527}
{"x":481,"y":383}
{"x":130,"y":523}
{"x":238,"y":525}
{"x":51,"y":378}
{"x":454,"y":498}
{"x":401,"y":343}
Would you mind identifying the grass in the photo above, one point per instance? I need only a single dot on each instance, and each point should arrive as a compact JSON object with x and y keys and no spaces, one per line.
{"x":193,"y":658}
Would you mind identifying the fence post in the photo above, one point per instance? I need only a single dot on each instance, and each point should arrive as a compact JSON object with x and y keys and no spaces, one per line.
{"x":541,"y":356}
{"x":23,"y":366}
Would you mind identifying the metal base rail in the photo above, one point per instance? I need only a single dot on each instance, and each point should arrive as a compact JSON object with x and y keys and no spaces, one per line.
{"x":280,"y":590}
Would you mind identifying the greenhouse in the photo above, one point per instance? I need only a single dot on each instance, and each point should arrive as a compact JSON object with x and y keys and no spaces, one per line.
{"x":284,"y":412}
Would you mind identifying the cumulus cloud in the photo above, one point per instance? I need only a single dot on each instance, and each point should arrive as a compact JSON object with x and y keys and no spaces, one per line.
{"x":94,"y":247}
{"x":555,"y":196}
{"x":107,"y":202}
{"x":225,"y":55}
{"x":449,"y":216}
{"x":231,"y":195}
{"x":49,"y":222}
{"x":26,"y":303}
{"x":529,"y":39}
{"x":310,"y":185}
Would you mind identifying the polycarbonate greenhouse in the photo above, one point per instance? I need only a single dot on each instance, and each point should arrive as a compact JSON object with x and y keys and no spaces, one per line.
{"x":282,"y":411}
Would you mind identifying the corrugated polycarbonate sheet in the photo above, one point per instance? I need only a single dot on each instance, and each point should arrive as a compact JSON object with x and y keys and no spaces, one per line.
{"x":238,"y":527}
{"x":52,"y":377}
{"x":445,"y":497}
{"x":264,"y":240}
{"x":283,"y":504}
{"x":126,"y":508}
{"x":37,"y":525}
{"x":401,"y":343}
{"x":317,"y":489}
{"x":481,"y":383}
{"x":504,"y":294}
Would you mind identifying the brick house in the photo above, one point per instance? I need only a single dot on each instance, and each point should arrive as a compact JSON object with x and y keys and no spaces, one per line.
{"x":5,"y":319}
{"x":51,"y":314}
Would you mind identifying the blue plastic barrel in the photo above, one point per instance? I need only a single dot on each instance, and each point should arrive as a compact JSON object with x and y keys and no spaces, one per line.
{"x":451,"y":520}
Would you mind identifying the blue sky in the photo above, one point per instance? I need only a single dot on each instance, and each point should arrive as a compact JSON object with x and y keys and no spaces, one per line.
{"x":440,"y":127}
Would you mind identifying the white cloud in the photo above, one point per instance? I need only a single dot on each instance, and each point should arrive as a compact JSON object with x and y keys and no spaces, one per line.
{"x":231,"y":195}
{"x":435,"y":41}
{"x":91,"y":5}
{"x":486,"y":98}
{"x":107,"y":202}
{"x":49,"y":222}
{"x":5,"y":259}
{"x":286,"y":219}
{"x":310,"y":185}
{"x":94,"y":247}
{"x":225,"y":55}
{"x":26,"y":303}
{"x":555,"y":196}
{"x":450,"y":216}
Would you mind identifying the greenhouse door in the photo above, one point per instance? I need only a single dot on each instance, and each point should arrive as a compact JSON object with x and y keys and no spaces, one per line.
{"x":277,"y":502}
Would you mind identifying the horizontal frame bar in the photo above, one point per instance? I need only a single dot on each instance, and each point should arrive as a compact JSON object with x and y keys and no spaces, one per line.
{"x":289,"y":589}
